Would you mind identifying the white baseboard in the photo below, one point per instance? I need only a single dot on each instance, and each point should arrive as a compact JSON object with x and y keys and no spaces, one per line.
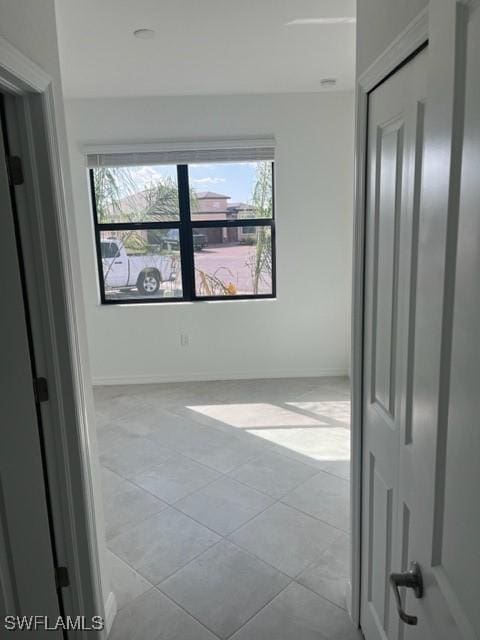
{"x":110,"y":613}
{"x":213,"y":376}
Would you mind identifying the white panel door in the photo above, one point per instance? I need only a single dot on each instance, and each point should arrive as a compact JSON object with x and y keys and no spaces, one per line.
{"x":441,"y":471}
{"x":395,"y":143}
{"x":27,"y":579}
{"x":422,"y":345}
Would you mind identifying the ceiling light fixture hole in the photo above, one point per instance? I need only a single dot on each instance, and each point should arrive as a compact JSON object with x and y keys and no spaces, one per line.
{"x":328,"y":82}
{"x":144,"y":34}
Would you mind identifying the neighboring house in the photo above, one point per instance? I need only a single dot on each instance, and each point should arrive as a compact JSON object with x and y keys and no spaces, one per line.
{"x":207,"y":205}
{"x":243,"y":210}
{"x":216,"y":206}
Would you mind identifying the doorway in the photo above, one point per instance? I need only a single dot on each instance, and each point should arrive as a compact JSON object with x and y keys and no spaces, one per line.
{"x":28,"y":559}
{"x":38,"y":372}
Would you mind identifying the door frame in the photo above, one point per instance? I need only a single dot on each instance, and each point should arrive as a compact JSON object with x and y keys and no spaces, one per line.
{"x":75,"y":529}
{"x":55,"y":333}
{"x":406,"y":44}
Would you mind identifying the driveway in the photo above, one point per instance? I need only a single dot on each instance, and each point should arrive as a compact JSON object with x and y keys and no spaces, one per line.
{"x":231,"y":264}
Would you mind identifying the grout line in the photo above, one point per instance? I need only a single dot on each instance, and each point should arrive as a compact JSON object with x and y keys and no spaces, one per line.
{"x":137,"y":573}
{"x":289,"y":578}
{"x":255,"y":557}
{"x":167,"y":505}
{"x":227,"y":535}
{"x":260,"y":610}
{"x":314,"y":466}
{"x":128,"y":526}
{"x":224,"y":473}
{"x":262,"y":560}
{"x":131,"y":567}
{"x":305,"y":513}
{"x":293,"y":581}
{"x":234,"y":544}
{"x":127,"y":604}
{"x":189,"y":613}
{"x":113,"y":553}
{"x":178,"y":569}
{"x":259,"y":513}
{"x":323,"y":637}
{"x":187,"y":515}
{"x":221,"y":475}
{"x":335,"y":604}
{"x":170,"y":504}
{"x":207,"y":548}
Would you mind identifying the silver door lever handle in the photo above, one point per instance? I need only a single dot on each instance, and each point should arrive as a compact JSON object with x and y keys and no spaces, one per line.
{"x":411,"y":579}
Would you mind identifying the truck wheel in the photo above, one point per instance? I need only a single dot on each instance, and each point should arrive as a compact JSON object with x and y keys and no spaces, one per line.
{"x":149,"y":282}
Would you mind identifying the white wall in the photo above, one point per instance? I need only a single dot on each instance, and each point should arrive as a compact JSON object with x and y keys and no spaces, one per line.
{"x":30,"y":26}
{"x":305,"y":331}
{"x":378,"y":23}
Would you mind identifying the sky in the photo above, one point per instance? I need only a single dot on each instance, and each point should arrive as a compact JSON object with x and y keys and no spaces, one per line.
{"x":232,"y":179}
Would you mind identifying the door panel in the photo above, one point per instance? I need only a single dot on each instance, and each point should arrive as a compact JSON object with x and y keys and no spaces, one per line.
{"x":394,"y":167}
{"x":421,"y":431}
{"x":27,"y":579}
{"x":385,"y":275}
{"x":380,"y":544}
{"x":446,"y":416}
{"x":456,"y":542}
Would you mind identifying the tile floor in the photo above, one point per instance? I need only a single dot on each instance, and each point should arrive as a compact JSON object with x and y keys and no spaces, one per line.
{"x":226,"y":507}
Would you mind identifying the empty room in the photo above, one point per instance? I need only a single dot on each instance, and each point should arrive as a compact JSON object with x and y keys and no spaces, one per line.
{"x":239,"y":373}
{"x":211,"y":157}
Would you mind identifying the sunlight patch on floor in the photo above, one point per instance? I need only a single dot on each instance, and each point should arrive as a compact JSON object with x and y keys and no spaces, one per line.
{"x":324,"y":443}
{"x":316,"y":438}
{"x":255,"y":414}
{"x":336,"y":409}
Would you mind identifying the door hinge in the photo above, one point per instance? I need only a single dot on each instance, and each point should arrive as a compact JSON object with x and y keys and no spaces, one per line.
{"x":40,"y":389}
{"x":15,"y":170}
{"x":62,"y":579}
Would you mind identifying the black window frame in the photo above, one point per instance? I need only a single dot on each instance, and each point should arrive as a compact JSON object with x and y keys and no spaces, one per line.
{"x":185,"y":226}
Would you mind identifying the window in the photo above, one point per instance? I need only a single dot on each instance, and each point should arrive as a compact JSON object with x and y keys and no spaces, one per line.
{"x":176,"y":232}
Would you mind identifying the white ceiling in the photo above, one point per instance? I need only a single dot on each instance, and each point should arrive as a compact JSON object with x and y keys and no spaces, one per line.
{"x":203,"y":46}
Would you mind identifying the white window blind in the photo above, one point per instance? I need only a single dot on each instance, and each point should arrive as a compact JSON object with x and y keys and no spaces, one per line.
{"x":181,"y":153}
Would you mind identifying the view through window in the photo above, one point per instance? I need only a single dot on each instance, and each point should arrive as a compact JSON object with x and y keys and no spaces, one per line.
{"x":184,"y":232}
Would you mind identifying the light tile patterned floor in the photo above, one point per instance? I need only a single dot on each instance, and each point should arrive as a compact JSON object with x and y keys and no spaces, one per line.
{"x":226,"y":507}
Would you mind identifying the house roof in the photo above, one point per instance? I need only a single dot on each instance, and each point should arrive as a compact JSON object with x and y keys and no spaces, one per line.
{"x":239,"y":206}
{"x":207,"y":195}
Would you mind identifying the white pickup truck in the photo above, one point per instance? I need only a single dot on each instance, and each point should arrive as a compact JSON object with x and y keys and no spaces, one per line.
{"x":123,"y":271}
